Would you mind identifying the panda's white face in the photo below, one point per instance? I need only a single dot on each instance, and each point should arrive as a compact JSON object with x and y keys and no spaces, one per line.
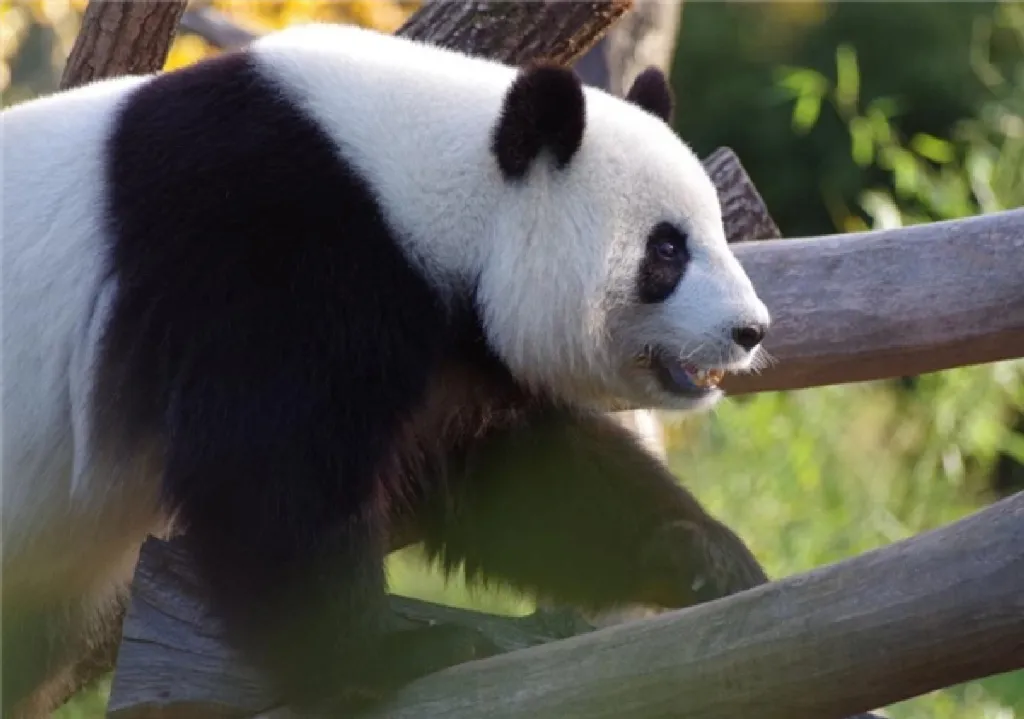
{"x":612,"y":281}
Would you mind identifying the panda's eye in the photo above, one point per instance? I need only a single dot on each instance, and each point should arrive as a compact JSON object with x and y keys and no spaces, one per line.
{"x":666,"y":243}
{"x":666,"y":250}
{"x":664,"y":263}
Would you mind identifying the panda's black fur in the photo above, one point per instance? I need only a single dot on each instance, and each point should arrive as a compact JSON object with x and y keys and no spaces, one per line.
{"x":312,"y":396}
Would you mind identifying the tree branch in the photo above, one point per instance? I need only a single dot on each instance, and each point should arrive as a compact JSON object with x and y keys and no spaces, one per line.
{"x":939,"y":609}
{"x":512,"y":31}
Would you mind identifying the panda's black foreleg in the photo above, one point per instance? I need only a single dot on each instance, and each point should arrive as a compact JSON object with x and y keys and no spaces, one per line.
{"x":572,"y":507}
{"x":274,"y":488}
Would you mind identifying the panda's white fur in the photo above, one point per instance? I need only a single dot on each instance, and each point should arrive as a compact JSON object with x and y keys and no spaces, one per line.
{"x":553,"y":259}
{"x":55,"y":500}
{"x":573,"y":325}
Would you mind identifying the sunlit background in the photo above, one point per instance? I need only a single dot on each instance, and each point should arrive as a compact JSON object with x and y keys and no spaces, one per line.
{"x":848,"y":116}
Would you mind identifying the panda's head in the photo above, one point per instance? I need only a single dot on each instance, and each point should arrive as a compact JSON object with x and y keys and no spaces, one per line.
{"x":608,"y":279}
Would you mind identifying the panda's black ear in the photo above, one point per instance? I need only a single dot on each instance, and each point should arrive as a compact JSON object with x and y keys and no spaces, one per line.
{"x":651,"y":91}
{"x":543,"y":109}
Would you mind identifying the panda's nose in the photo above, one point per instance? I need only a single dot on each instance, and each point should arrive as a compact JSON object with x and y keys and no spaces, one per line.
{"x":749,"y":336}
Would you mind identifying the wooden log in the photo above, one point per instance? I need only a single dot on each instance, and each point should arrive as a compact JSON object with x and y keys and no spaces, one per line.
{"x":928,"y":612}
{"x":645,"y":36}
{"x":889,"y":303}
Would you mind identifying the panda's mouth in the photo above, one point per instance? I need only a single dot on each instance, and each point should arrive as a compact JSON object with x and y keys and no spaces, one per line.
{"x":681,"y":378}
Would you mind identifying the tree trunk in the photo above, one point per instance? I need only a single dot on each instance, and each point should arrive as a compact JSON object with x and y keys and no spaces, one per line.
{"x":122,"y":38}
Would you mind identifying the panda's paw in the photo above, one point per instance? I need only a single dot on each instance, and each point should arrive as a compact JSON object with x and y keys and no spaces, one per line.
{"x":688,"y":562}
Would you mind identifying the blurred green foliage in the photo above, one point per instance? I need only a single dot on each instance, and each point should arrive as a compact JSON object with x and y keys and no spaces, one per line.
{"x":848,"y":115}
{"x":978,"y":168}
{"x":918,"y":62}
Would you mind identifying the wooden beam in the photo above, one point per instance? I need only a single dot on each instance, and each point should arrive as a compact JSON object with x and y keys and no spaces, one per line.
{"x":889,"y":303}
{"x":928,"y":612}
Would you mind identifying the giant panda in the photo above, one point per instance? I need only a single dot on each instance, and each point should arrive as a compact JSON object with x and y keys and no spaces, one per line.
{"x":294,"y":297}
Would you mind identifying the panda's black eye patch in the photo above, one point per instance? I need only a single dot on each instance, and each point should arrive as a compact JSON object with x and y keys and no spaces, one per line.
{"x":664,"y":263}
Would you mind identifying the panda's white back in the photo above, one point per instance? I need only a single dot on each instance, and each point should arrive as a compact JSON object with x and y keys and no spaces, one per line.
{"x":53,"y":262}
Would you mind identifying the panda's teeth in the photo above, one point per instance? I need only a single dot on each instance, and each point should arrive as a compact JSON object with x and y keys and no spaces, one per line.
{"x":704,"y":378}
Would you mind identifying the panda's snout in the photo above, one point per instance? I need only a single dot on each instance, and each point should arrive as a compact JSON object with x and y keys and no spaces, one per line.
{"x":749,"y":336}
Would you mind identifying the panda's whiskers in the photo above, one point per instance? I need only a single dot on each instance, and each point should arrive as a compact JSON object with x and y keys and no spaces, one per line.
{"x":762,"y":360}
{"x":685,"y":356}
